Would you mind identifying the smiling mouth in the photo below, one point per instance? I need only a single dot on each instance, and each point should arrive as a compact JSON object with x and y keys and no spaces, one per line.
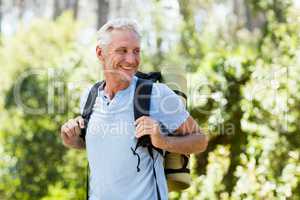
{"x":126,"y":68}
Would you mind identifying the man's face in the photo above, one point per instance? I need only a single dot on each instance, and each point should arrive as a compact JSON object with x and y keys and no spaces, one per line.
{"x":121,"y":58}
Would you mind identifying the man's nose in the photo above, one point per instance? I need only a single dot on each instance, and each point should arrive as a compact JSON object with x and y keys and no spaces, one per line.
{"x":130,"y":58}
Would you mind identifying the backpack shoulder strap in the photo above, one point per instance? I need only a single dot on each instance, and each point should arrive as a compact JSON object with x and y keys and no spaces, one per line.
{"x":142,"y":100}
{"x":88,"y":107}
{"x":141,"y":105}
{"x":153,"y":76}
{"x":86,"y":114}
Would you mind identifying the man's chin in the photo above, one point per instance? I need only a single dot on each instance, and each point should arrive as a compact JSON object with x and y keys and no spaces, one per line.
{"x":126,"y":78}
{"x":127,"y":75}
{"x":123,"y":75}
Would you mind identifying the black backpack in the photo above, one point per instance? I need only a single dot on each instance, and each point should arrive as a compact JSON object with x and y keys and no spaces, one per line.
{"x":142,"y":98}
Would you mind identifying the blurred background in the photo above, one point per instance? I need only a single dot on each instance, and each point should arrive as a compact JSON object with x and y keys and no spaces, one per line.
{"x":241,"y":59}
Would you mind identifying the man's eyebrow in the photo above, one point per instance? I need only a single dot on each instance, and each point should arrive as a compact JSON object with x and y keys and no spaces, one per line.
{"x":123,"y":47}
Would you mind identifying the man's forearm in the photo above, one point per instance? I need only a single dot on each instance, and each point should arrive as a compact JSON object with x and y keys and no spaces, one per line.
{"x":188,"y":144}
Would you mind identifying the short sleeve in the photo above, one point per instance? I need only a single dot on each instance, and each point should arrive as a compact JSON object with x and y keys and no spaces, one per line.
{"x":83,"y":98}
{"x":167,"y":107}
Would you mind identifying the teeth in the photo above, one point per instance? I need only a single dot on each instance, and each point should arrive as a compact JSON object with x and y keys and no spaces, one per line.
{"x":127,"y":68}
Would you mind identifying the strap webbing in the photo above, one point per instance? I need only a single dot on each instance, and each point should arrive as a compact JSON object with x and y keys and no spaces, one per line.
{"x":141,"y":104}
{"x":142,"y":100}
{"x":150,"y":150}
{"x":88,"y":107}
{"x":153,"y":76}
{"x":87,"y":181}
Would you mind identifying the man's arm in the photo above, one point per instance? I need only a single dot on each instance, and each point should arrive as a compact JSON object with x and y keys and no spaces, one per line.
{"x":190,"y":138}
{"x":70,"y":133}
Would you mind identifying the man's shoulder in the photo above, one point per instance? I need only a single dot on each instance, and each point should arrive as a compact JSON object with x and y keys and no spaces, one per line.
{"x":84,"y":95}
{"x":160,"y":86}
{"x":87,"y":88}
{"x":161,"y":90}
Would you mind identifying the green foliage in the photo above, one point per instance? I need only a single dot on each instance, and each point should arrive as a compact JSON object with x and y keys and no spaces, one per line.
{"x":37,"y":103}
{"x":247,"y":105}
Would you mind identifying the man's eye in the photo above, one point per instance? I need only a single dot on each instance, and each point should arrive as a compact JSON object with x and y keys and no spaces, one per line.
{"x":137,"y":51}
{"x":122,"y":51}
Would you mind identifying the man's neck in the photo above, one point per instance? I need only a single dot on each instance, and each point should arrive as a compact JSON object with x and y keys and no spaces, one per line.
{"x":112,"y":87}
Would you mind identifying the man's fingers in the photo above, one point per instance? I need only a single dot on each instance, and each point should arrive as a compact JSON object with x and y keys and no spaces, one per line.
{"x":71,"y":128}
{"x":139,"y":120}
{"x":80,"y":121}
{"x":70,"y":133}
{"x":138,"y":126}
{"x":67,"y":133}
{"x":140,"y":133}
{"x":73,"y":124}
{"x":138,"y":129}
{"x":64,"y":129}
{"x":144,"y":126}
{"x":63,"y":132}
{"x":143,"y":130}
{"x":76,"y":127}
{"x":77,"y":131}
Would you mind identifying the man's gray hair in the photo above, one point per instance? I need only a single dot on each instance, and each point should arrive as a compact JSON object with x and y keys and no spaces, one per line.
{"x":103,"y":35}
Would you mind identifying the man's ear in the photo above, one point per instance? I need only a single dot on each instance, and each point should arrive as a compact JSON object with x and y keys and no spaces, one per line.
{"x":99,"y":52}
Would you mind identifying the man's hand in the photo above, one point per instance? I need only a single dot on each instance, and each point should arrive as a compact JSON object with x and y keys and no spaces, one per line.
{"x":148,"y":126}
{"x":190,"y":138}
{"x":70,"y":133}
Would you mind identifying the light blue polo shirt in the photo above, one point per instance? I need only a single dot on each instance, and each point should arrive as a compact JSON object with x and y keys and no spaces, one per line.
{"x":110,"y":136}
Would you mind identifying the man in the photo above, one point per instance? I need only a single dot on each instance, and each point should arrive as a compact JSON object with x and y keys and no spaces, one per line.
{"x":112,"y":130}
